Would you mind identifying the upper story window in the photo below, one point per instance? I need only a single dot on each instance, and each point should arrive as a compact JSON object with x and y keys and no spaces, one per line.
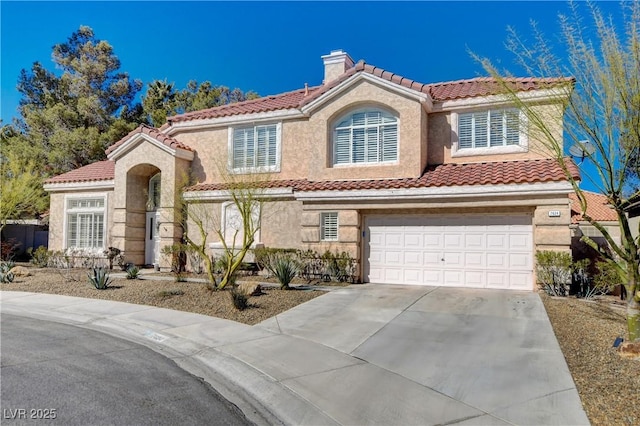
{"x":366,"y":137}
{"x":255,"y":148}
{"x":85,"y":219}
{"x":488,"y":129}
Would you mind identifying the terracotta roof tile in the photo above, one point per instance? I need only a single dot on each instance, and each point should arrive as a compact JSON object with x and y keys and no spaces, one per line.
{"x":154,"y":133}
{"x":598,"y":208}
{"x":100,"y":170}
{"x":267,"y":103}
{"x":438,"y":91}
{"x":489,"y":173}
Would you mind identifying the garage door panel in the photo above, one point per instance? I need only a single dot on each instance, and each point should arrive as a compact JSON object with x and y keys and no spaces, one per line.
{"x":471,"y":251}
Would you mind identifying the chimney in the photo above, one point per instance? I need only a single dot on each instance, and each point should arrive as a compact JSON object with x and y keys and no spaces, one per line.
{"x":335,"y":64}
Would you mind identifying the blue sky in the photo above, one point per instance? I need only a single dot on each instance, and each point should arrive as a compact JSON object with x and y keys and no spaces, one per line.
{"x":271,"y":47}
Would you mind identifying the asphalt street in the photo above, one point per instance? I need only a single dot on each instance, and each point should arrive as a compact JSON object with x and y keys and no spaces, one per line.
{"x":62,"y":374}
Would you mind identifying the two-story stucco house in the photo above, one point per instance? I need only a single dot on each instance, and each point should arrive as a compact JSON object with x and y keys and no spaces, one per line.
{"x":438,"y":184}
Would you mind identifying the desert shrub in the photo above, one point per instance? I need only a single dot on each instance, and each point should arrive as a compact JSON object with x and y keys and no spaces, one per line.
{"x":177,"y":254}
{"x":261,"y":255}
{"x":6,"y":276}
{"x":99,"y":278}
{"x":284,"y":267}
{"x":239,"y":299}
{"x":554,"y":271}
{"x":39,"y":256}
{"x":170,"y":293}
{"x":8,"y":248}
{"x":606,"y":278}
{"x":133,"y":272}
{"x":115,"y":255}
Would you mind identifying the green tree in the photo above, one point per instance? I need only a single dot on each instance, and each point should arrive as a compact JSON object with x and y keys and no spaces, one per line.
{"x":68,"y":118}
{"x":602,"y":106}
{"x":159,"y":102}
{"x":21,"y":193}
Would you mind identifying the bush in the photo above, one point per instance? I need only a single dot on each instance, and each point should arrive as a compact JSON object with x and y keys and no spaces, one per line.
{"x":6,"y":276}
{"x":114,"y":254}
{"x":39,"y":257}
{"x":261,"y":255}
{"x":239,"y":299}
{"x":177,"y":254}
{"x":8,"y":248}
{"x":606,"y":278}
{"x":99,"y":278}
{"x":133,"y":272}
{"x":284,"y":267}
{"x":554,"y":271}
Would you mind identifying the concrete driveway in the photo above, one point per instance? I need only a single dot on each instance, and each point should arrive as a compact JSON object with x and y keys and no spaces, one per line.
{"x":447,"y":355}
{"x":361,"y":355}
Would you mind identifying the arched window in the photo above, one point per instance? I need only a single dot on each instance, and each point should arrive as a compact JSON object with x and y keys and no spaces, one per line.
{"x":365,"y":137}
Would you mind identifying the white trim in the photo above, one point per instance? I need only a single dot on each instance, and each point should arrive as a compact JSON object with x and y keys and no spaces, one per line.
{"x":77,"y":186}
{"x":65,"y":209}
{"x":438,"y":192}
{"x":138,"y":138}
{"x":425,"y":99}
{"x":222,"y":195}
{"x":492,"y":101}
{"x":235,"y":120}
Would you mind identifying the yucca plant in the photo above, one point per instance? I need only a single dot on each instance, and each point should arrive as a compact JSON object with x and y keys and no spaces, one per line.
{"x":284,"y":267}
{"x":99,"y":278}
{"x":6,"y":276}
{"x":133,"y":272}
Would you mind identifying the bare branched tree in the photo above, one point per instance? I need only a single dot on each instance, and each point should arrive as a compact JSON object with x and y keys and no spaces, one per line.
{"x":602,"y":107}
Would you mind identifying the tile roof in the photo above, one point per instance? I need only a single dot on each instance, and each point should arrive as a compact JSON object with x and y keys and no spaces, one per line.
{"x":489,"y":173}
{"x":598,"y":208}
{"x":481,"y":86}
{"x":100,"y":170}
{"x":154,"y":133}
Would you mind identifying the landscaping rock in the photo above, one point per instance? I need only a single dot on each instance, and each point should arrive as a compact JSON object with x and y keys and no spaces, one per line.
{"x":20,"y":271}
{"x":250,"y":289}
{"x":630,"y":350}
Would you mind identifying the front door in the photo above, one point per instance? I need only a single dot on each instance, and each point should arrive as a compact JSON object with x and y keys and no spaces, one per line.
{"x":152,"y":238}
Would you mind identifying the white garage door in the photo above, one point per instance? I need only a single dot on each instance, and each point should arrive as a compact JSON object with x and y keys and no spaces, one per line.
{"x":479,"y":251}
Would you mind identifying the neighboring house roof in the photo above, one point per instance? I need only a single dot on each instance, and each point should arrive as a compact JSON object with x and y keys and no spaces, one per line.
{"x":490,"y":173}
{"x":154,"y":133}
{"x":98,"y":171}
{"x":482,"y":86}
{"x":598,"y":208}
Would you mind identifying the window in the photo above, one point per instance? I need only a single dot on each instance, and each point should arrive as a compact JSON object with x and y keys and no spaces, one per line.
{"x":366,"y":137}
{"x":85,"y":223}
{"x":489,"y":129}
{"x":329,"y":226}
{"x":153,"y":201}
{"x":255,"y":147}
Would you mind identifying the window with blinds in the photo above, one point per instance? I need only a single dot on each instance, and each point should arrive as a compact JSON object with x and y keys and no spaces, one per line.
{"x":85,"y":223}
{"x":366,"y":137}
{"x":329,"y":226}
{"x":488,"y":129}
{"x":255,"y":148}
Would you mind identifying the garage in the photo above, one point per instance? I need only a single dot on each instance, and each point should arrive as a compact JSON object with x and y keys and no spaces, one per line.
{"x":476,"y":251}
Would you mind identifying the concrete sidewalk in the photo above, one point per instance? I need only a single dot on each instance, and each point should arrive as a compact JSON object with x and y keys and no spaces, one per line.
{"x":361,"y":355}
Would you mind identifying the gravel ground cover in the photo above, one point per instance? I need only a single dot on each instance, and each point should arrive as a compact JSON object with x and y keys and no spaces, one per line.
{"x":608,"y":384}
{"x":195,"y":297}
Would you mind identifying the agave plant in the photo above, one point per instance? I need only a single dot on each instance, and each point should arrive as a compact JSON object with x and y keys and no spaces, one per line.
{"x":285,"y":268}
{"x":133,"y":272}
{"x":99,"y":278}
{"x":6,"y":276}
